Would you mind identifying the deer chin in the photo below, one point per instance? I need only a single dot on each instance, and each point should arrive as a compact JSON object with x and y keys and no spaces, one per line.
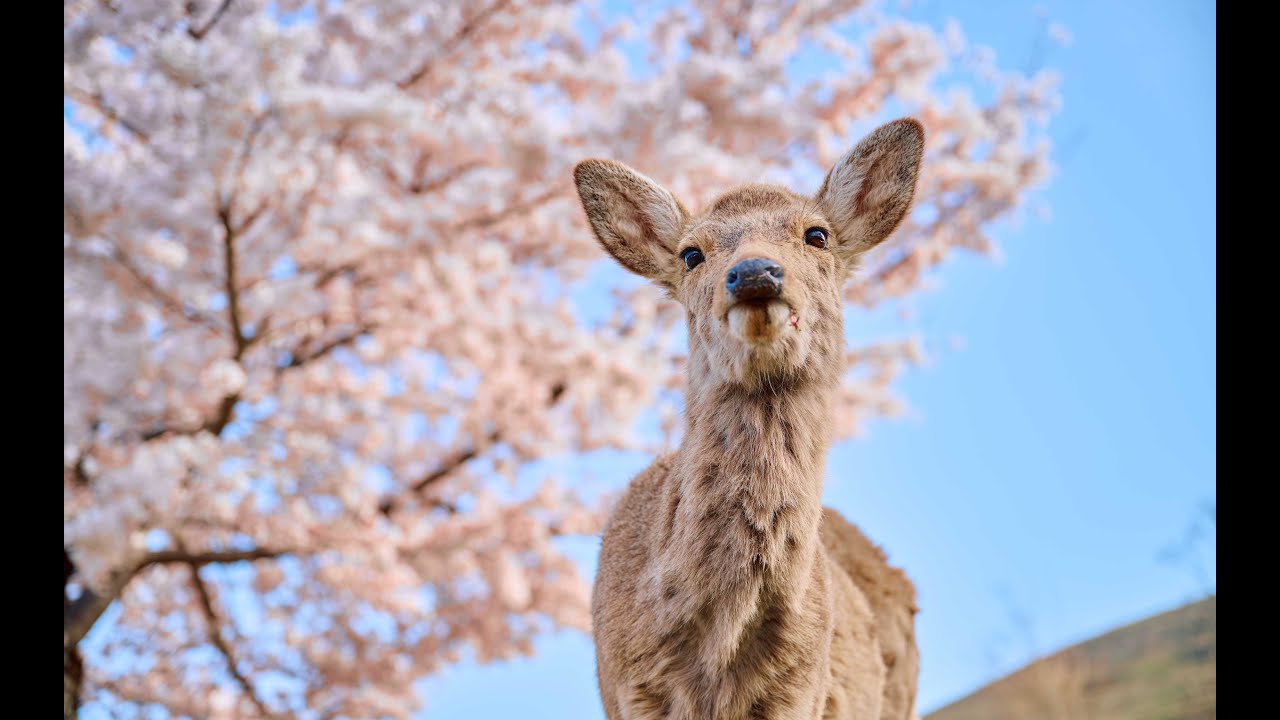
{"x":759,"y":322}
{"x":764,"y":345}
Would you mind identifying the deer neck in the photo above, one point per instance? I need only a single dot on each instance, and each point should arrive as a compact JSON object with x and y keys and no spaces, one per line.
{"x":749,"y":476}
{"x":742,"y":512}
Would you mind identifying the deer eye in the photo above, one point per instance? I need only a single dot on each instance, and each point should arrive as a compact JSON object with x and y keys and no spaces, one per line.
{"x":692,"y":258}
{"x":816,"y":237}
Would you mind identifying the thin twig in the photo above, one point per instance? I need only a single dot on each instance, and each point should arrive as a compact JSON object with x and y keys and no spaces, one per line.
{"x":298,"y":359}
{"x":199,"y":33}
{"x":511,"y":212}
{"x":170,"y":302}
{"x":468,"y":29}
{"x":97,"y":102}
{"x":443,"y":470}
{"x":455,"y":461}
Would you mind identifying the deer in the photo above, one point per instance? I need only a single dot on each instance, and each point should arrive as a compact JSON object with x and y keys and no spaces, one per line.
{"x":724,"y":589}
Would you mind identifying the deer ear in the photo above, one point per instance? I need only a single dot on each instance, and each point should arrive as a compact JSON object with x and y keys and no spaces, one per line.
{"x":636,"y":220}
{"x":868,"y":192}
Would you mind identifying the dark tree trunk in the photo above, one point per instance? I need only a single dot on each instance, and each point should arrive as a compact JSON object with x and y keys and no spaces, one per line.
{"x":72,"y":674}
{"x":72,"y":667}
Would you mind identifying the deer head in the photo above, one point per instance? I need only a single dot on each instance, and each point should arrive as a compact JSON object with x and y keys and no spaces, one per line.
{"x":760,"y":271}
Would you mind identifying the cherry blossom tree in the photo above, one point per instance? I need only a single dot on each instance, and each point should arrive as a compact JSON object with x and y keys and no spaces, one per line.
{"x":331,"y":307}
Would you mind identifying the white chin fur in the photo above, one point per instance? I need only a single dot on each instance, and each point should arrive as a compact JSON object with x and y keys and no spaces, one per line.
{"x":755,"y":324}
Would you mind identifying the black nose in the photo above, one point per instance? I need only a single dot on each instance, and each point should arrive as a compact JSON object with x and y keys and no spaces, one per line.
{"x":754,"y":279}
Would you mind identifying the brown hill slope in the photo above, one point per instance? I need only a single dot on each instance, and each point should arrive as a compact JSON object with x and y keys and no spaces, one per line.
{"x":1161,"y":668}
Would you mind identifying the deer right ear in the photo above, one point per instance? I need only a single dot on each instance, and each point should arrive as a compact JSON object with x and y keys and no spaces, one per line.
{"x":869,"y":191}
{"x":636,"y":220}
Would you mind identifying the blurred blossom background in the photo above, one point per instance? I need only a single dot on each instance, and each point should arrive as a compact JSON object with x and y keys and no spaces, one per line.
{"x":349,"y":386}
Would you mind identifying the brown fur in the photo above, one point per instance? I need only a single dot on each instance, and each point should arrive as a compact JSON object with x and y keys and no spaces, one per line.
{"x":724,"y":589}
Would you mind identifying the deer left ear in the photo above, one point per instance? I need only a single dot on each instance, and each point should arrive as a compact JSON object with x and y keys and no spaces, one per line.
{"x":636,"y":220}
{"x":869,"y":191}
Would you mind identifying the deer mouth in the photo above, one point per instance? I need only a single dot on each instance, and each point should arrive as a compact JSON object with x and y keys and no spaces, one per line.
{"x":761,"y":320}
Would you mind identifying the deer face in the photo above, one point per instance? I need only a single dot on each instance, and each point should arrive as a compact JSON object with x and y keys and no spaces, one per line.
{"x":760,"y":270}
{"x":761,"y":284}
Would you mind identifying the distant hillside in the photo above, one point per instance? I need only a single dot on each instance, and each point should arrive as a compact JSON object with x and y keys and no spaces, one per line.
{"x":1161,"y":668}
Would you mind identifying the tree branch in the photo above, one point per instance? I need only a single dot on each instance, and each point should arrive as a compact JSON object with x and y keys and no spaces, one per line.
{"x":222,"y":417}
{"x":468,"y":29}
{"x":455,"y":461}
{"x":422,"y":185}
{"x":79,"y":616}
{"x":298,"y":359}
{"x":418,"y":184}
{"x":212,"y":557}
{"x":229,"y":232}
{"x":162,"y":296}
{"x":215,"y":637}
{"x":511,"y":211}
{"x":79,"y":472}
{"x":199,"y":34}
{"x":97,"y":102}
{"x":240,"y":343}
{"x":442,"y":471}
{"x":242,"y":161}
{"x":72,"y":664}
{"x":72,"y":679}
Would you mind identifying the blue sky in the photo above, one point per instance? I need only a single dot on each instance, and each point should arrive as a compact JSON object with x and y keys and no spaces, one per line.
{"x":1071,"y":437}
